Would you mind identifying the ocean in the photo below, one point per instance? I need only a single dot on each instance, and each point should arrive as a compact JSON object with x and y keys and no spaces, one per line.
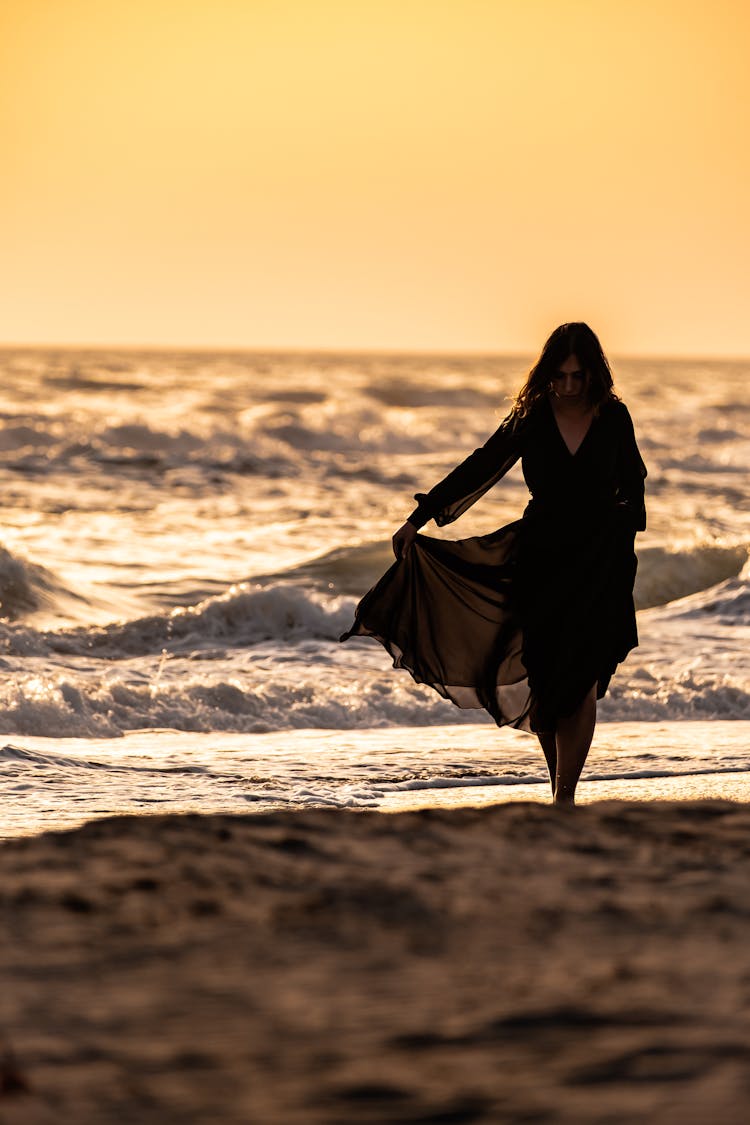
{"x":186,"y":534}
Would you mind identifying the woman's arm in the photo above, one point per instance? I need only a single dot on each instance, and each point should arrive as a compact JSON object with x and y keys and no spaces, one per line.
{"x":453,"y":495}
{"x":631,"y":474}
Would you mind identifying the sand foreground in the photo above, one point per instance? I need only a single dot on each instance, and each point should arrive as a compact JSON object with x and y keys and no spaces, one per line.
{"x":502,"y":964}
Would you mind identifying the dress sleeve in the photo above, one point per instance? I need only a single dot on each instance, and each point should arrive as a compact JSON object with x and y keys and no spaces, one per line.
{"x":631,"y":474}
{"x":451,"y":497}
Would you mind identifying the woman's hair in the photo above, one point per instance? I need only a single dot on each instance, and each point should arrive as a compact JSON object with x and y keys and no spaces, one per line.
{"x":575,"y":339}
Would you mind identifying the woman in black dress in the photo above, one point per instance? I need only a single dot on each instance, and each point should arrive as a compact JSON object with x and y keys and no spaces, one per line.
{"x":531,"y":620}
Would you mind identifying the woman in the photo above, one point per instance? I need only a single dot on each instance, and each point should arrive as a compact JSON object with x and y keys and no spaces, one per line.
{"x":530,"y":621}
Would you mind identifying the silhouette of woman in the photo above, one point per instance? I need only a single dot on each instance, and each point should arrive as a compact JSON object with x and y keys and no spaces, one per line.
{"x":530,"y":621}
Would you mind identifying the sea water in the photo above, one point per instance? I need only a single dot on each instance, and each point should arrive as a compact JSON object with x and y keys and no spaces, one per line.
{"x":185,"y":536}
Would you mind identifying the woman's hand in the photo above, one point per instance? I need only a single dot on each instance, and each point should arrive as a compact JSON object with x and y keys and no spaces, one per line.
{"x":403,"y":539}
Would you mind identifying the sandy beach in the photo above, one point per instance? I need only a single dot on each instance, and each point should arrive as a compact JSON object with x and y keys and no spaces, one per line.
{"x":507,"y":963}
{"x":274,"y":275}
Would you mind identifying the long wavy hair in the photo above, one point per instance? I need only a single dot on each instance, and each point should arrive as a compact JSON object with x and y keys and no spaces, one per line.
{"x":575,"y":338}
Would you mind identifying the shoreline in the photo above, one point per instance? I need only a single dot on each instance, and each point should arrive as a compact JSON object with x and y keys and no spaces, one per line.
{"x":441,"y":794}
{"x":315,"y":967}
{"x":58,"y":783}
{"x":727,"y":785}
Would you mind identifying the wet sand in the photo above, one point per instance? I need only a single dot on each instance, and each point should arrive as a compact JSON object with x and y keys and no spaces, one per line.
{"x":732,"y":785}
{"x":512,"y":963}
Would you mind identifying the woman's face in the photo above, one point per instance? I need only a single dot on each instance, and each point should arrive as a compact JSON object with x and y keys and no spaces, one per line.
{"x":570,"y":381}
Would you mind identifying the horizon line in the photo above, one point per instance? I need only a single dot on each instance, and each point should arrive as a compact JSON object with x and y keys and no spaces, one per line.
{"x":332,"y":350}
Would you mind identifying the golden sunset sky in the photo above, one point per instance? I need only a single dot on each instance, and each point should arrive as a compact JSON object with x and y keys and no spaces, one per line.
{"x":435,"y":174}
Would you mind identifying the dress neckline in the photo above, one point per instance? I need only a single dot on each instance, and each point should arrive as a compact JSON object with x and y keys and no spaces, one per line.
{"x":572,"y":453}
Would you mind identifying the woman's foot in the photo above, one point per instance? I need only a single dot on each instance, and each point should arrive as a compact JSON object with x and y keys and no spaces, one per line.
{"x":564,"y":802}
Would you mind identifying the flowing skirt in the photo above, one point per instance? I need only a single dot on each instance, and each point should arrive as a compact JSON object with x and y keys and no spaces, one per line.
{"x":521,"y":622}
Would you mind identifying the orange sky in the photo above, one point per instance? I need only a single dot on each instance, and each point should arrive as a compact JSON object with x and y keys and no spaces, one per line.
{"x":434,"y":174}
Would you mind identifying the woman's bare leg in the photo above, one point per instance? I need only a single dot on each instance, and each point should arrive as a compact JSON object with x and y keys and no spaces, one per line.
{"x":549,"y":746}
{"x":573,"y":738}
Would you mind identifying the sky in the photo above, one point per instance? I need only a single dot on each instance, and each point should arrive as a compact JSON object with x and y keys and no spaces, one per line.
{"x":398,"y":175}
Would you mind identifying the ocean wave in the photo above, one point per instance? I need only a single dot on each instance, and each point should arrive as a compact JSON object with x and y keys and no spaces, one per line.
{"x":667,"y":574}
{"x":75,"y":708}
{"x":300,"y":696}
{"x":312,"y":601}
{"x":296,"y":434}
{"x":726,"y":603}
{"x":538,"y":778}
{"x":344,"y":570}
{"x":15,"y":438}
{"x":43,"y":760}
{"x":246,"y":614}
{"x":687,"y":695}
{"x":730,"y":604}
{"x":26,"y":587}
{"x":664,"y":574}
{"x":290,"y":612}
{"x":48,"y":446}
{"x":699,"y":464}
{"x":415,"y":395}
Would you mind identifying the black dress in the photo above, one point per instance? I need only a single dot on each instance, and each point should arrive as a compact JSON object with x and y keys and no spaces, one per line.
{"x":525,"y":620}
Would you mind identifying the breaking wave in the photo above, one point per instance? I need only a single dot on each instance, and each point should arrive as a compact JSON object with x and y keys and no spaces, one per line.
{"x":664,"y":574}
{"x":27,"y":588}
{"x":301,"y":698}
{"x":245,"y":615}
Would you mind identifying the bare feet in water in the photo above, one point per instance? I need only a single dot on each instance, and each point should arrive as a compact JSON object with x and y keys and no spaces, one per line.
{"x":564,"y":802}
